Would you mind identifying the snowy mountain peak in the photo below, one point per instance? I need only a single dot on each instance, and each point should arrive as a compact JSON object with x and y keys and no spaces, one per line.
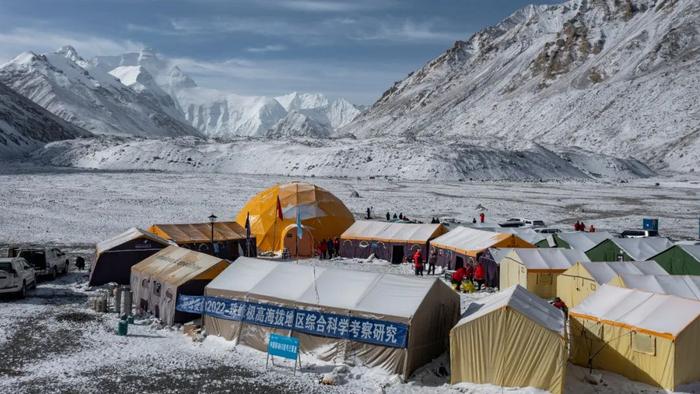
{"x":297,"y":100}
{"x":179,"y":80}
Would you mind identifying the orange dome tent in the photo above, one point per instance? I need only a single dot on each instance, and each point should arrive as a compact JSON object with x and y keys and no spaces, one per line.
{"x":323,"y":216}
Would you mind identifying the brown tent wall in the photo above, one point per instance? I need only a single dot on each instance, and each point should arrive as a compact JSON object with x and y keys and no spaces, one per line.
{"x":353,"y":248}
{"x":427,"y":338}
{"x":114,"y":265}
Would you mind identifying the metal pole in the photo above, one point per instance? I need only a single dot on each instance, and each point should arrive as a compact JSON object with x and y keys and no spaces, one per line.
{"x":212,"y":238}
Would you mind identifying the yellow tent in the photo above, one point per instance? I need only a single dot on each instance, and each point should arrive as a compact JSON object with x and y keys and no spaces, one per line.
{"x":584,"y":278}
{"x":512,"y":339}
{"x":537,"y":269}
{"x":470,"y":242}
{"x":323,"y":216}
{"x":647,"y":337}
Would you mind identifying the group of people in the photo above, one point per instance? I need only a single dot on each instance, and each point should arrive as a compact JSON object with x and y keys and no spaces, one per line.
{"x":328,"y":249}
{"x":580,"y":226}
{"x":400,"y":216}
{"x":469,"y":273}
{"x":482,"y":218}
{"x":418,"y":265}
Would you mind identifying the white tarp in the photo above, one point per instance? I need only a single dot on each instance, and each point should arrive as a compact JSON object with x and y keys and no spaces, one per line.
{"x":548,"y":258}
{"x":126,"y":236}
{"x":518,"y":298}
{"x":604,"y":272}
{"x":392,"y":232}
{"x":664,"y":314}
{"x":686,"y":286}
{"x":584,"y":241}
{"x":370,"y":292}
{"x":499,"y":254}
{"x":526,"y":234}
{"x":641,"y":249}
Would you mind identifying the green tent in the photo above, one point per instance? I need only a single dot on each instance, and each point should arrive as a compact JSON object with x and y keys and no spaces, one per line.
{"x":628,"y":249}
{"x":680,"y":259}
{"x":579,"y":240}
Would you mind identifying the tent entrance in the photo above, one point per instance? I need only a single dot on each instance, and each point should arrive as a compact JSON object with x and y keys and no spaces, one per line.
{"x":397,"y":254}
{"x":299,"y":247}
{"x":459,"y":263}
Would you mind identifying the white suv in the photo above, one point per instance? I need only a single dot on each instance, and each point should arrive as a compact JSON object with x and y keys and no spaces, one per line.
{"x":46,"y":261}
{"x":16,"y":276}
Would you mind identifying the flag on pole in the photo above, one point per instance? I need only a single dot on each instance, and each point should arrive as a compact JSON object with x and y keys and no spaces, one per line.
{"x":279,"y":209}
{"x":247,"y":234}
{"x":300,"y":232}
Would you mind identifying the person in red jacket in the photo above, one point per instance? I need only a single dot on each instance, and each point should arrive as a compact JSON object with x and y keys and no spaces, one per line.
{"x":479,"y":275}
{"x":418,"y":262}
{"x":458,"y":276}
{"x":336,"y":246}
{"x":482,"y":217}
{"x":561,"y":305}
{"x":322,"y":248}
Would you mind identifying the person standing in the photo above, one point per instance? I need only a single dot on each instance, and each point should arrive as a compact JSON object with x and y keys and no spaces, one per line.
{"x":322,"y":248}
{"x":479,"y":275}
{"x":591,"y":229}
{"x":482,"y":217}
{"x":80,"y":263}
{"x":418,"y":263}
{"x":369,"y":213}
{"x":432,"y":261}
{"x":331,"y":248}
{"x":336,"y":246}
{"x":388,"y":216}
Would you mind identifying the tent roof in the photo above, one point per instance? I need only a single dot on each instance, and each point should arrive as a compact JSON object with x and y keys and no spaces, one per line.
{"x":524,"y":233}
{"x":466,"y":240}
{"x":128,"y":235}
{"x":199,"y":232}
{"x":521,"y":300}
{"x":393,"y":232}
{"x":547,"y":258}
{"x":693,"y":250}
{"x":663,"y":315}
{"x":582,"y":240}
{"x":499,"y":254}
{"x":642,"y":248}
{"x":177,"y":265}
{"x":604,"y":272}
{"x":371,"y":292}
{"x":686,"y":286}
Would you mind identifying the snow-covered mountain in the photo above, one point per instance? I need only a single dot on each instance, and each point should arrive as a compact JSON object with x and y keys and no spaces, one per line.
{"x":619,"y":77}
{"x":76,"y":91}
{"x":25,"y":126}
{"x":225,"y":115}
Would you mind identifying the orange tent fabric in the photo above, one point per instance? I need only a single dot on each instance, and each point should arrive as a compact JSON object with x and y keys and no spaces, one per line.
{"x":323,"y":215}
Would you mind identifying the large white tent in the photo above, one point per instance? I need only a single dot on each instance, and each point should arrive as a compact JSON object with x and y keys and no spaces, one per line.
{"x":686,"y":286}
{"x":396,"y":322}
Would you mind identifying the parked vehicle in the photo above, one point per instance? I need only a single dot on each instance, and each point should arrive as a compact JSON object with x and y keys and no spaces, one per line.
{"x":520,"y":222}
{"x":16,"y":276}
{"x":639,"y":233}
{"x":547,"y":230}
{"x":46,"y":261}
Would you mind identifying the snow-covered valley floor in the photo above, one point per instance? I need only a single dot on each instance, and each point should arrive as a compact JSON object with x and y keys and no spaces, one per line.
{"x":81,"y":207}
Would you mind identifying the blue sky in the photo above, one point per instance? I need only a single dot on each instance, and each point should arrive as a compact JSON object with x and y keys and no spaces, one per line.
{"x":353,"y":49}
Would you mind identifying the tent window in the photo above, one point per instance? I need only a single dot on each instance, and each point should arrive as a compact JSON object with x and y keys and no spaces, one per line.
{"x":643,"y":343}
{"x":544,"y":279}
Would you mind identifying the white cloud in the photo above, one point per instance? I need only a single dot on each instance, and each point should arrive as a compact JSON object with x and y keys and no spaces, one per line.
{"x":20,"y":40}
{"x":267,"y":48}
{"x":328,"y":6}
{"x":408,"y":30}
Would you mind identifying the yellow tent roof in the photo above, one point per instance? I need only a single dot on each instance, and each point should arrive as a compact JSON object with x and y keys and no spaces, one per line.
{"x":322,"y":214}
{"x":177,"y":265}
{"x":469,"y":241}
{"x":198,"y":232}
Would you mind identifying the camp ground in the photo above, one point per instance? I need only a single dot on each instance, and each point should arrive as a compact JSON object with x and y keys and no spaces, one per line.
{"x":223,"y":239}
{"x":579,"y":240}
{"x":584,"y":278}
{"x":513,"y":339}
{"x":537,"y":269}
{"x":685,"y":286}
{"x":396,"y":322}
{"x":459,"y":245}
{"x":647,"y":337}
{"x":160,"y":279}
{"x":680,"y":259}
{"x":628,"y":249}
{"x":394,"y":242}
{"x":115,"y":257}
{"x":275,"y":214}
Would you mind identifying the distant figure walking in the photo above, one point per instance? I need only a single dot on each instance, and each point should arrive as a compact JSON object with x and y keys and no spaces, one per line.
{"x":482,"y":217}
{"x":80,"y":263}
{"x":388,"y":216}
{"x":474,"y":220}
{"x":583,"y":226}
{"x":401,"y":216}
{"x":369,"y":213}
{"x":322,"y":247}
{"x":432,"y":261}
{"x":331,"y":248}
{"x":479,"y":275}
{"x":591,"y":229}
{"x":336,"y":246}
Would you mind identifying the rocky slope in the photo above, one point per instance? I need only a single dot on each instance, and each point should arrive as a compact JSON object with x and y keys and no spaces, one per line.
{"x":25,"y":126}
{"x":618,"y":77}
{"x":71,"y":88}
